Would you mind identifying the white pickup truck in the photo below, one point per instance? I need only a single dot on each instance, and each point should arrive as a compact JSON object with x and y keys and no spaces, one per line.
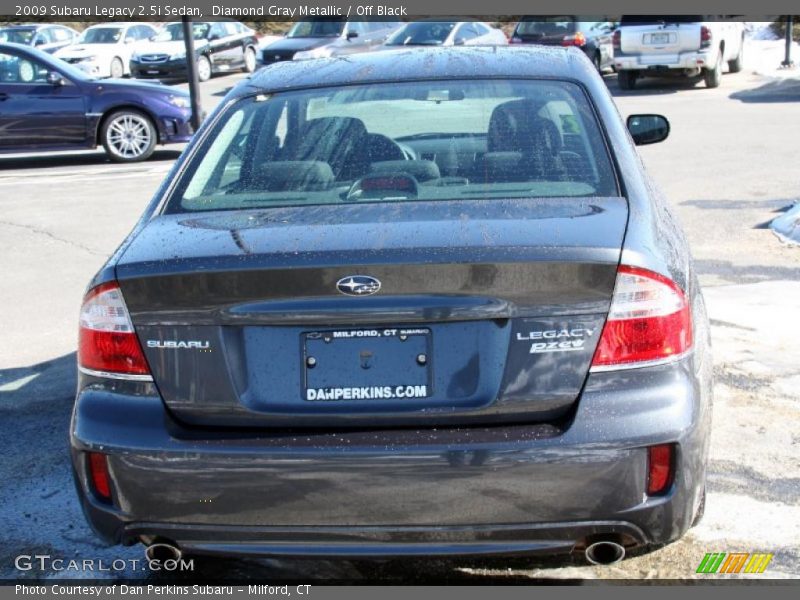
{"x":686,"y":45}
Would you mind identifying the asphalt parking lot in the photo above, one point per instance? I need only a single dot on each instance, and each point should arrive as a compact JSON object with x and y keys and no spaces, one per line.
{"x":729,"y":167}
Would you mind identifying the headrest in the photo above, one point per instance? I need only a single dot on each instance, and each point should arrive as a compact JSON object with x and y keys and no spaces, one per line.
{"x":294,"y":175}
{"x":515,"y":126}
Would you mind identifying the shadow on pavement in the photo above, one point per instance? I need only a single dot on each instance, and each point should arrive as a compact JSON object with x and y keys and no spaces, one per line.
{"x":652,"y":86}
{"x":411,"y":571}
{"x":777,"y":90}
{"x":77,"y":159}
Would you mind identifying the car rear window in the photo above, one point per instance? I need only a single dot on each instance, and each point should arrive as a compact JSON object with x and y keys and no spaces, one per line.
{"x":545,"y":26}
{"x":422,"y":33}
{"x":429,"y":140}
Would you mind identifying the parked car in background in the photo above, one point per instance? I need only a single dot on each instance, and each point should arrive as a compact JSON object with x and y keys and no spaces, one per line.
{"x":593,"y":37}
{"x":412,"y":302}
{"x":46,"y":105}
{"x":686,"y":46}
{"x":327,"y":37}
{"x":105,"y":50}
{"x":446,"y":33}
{"x":221,"y":47}
{"x":47,"y":38}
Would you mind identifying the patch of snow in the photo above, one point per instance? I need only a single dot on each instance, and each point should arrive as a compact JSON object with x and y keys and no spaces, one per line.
{"x":760,"y":30}
{"x":266,"y":40}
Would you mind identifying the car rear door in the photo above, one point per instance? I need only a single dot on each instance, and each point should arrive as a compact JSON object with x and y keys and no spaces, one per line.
{"x":35,"y":113}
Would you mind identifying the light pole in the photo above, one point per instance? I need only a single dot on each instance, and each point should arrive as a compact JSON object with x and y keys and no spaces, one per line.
{"x":191,"y":72}
{"x":787,"y":61}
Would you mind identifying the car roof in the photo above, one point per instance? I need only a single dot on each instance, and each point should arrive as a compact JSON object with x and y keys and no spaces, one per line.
{"x":24,"y":27}
{"x":403,"y":64}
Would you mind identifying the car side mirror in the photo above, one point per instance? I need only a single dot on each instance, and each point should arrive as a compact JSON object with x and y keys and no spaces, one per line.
{"x":351,"y":35}
{"x":39,"y":42}
{"x":55,"y":78}
{"x":129,"y":40}
{"x":648,"y":129}
{"x":213,"y":37}
{"x":459,"y":41}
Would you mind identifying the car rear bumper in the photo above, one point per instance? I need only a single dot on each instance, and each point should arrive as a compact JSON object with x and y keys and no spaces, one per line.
{"x":662,"y":62}
{"x":171,"y":70}
{"x":510,"y":489}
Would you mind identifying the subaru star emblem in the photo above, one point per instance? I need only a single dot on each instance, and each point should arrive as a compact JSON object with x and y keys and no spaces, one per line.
{"x":358,"y":285}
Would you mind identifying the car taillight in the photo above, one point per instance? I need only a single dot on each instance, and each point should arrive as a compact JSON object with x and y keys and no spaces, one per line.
{"x":98,"y":473}
{"x":616,"y":40}
{"x":660,"y":469}
{"x":705,"y":37}
{"x":649,"y":321}
{"x":107,"y":342}
{"x":576,"y":39}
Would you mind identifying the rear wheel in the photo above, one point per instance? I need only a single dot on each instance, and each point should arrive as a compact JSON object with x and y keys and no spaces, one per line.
{"x":117,"y":69}
{"x":626,"y":80}
{"x":249,"y":60}
{"x":203,"y":69}
{"x":713,"y":76}
{"x":128,"y":136}
{"x":736,"y":65}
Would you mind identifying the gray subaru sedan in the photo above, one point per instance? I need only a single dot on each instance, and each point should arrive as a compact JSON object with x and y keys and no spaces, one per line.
{"x":416,"y":302}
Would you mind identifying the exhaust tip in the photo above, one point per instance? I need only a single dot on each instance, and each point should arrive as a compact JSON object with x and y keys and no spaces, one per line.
{"x":605,"y":552}
{"x":162,"y":550}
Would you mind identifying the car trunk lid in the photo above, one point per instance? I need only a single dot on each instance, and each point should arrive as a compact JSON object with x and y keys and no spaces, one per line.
{"x":488,"y":311}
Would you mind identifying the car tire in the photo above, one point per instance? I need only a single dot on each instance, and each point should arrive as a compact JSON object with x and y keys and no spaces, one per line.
{"x":713,"y":76}
{"x":598,"y":64}
{"x":626,"y":80}
{"x":701,"y":510}
{"x":249,"y":60}
{"x":737,"y":64}
{"x":128,"y":136}
{"x":117,"y":69}
{"x":203,"y":69}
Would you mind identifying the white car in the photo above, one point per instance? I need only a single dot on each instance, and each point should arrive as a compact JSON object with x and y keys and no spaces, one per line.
{"x":105,"y":50}
{"x":446,"y":33}
{"x":684,"y":45}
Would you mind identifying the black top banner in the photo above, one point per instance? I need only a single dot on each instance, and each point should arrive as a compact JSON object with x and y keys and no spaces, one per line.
{"x":148,"y":10}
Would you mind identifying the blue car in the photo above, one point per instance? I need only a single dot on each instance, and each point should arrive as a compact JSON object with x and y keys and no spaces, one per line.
{"x":47,"y":105}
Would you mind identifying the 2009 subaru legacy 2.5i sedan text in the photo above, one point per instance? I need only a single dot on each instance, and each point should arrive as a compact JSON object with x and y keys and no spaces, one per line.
{"x":423,"y":301}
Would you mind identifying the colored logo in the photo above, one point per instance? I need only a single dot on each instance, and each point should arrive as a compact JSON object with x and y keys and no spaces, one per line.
{"x":734,"y":562}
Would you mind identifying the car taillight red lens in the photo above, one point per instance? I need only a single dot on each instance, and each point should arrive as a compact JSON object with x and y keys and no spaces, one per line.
{"x":98,"y":472}
{"x":649,"y":321}
{"x":659,"y":468}
{"x":107,"y":342}
{"x":616,"y":40}
{"x":577,"y":39}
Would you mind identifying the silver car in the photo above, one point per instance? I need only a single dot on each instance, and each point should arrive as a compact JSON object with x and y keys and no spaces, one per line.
{"x":446,"y":33}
